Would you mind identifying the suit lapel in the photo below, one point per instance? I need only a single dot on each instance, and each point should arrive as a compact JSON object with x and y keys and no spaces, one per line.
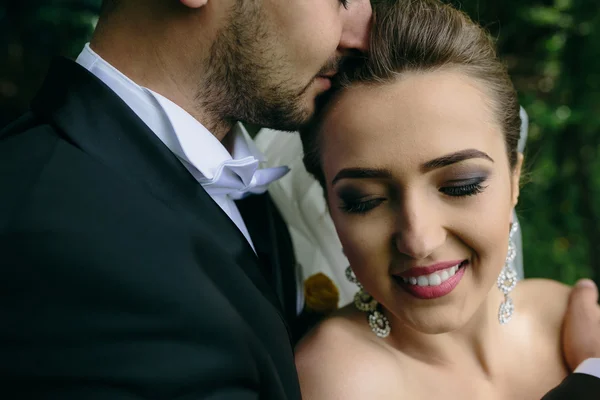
{"x":93,"y":118}
{"x":273,"y":246}
{"x":256,"y":216}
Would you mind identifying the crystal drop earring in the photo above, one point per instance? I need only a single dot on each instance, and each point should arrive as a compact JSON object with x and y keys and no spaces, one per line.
{"x":364,"y":302}
{"x":507,"y":280}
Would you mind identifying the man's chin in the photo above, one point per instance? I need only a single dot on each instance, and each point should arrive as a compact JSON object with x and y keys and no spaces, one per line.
{"x":290,"y":121}
{"x":286,"y":116}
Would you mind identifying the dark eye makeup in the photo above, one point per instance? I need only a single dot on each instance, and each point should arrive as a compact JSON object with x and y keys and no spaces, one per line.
{"x":464,"y":187}
{"x":356,"y":201}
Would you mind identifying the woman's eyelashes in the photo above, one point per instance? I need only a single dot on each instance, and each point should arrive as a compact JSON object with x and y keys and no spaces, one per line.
{"x":360,"y":206}
{"x":464,"y":187}
{"x":354,"y":202}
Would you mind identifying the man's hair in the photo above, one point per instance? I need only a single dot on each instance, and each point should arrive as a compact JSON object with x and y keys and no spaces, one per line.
{"x":423,"y":36}
{"x":108,"y":6}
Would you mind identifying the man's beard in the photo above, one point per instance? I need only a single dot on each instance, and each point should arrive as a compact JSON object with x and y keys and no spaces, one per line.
{"x":249,"y":81}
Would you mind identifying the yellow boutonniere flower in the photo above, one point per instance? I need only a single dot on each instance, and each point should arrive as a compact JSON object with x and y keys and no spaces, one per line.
{"x":320,"y":293}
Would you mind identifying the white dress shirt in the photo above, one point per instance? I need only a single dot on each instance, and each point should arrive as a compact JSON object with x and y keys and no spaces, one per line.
{"x":199,"y":150}
{"x":591,"y":366}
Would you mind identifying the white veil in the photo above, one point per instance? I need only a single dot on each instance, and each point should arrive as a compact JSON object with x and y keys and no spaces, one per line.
{"x":518,"y":262}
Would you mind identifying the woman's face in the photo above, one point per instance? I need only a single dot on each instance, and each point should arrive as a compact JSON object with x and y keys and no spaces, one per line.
{"x":421,"y":193}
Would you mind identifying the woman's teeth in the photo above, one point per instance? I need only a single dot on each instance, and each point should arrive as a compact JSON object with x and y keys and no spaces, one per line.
{"x":435,"y":279}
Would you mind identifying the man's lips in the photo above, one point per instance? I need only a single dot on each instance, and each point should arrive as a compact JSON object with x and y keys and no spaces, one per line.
{"x":324,"y":82}
{"x":430,"y":269}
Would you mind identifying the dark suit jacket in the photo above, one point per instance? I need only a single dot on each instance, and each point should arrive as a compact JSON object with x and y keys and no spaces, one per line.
{"x":273,"y":245}
{"x":576,"y":387}
{"x":121,"y":278}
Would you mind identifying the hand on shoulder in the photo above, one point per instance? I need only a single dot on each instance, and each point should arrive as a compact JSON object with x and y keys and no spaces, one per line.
{"x":581,"y":328}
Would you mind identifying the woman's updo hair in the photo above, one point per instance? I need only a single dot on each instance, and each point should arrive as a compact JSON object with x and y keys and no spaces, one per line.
{"x":424,"y":36}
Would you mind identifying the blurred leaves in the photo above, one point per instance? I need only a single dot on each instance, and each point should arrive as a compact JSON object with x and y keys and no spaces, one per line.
{"x":552,"y":48}
{"x":31,"y":33}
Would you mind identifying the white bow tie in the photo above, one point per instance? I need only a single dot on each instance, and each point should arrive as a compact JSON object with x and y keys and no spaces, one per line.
{"x":242,"y":177}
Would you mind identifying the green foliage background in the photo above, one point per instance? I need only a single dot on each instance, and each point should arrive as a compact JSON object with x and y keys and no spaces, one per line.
{"x":552,"y":48}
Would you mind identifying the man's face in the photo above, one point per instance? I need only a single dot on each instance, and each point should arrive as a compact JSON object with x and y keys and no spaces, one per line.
{"x":274,"y":57}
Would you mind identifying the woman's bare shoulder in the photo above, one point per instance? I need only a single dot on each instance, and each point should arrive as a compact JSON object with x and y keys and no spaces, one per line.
{"x":339,"y":360}
{"x":546,"y":299}
{"x":540,"y":306}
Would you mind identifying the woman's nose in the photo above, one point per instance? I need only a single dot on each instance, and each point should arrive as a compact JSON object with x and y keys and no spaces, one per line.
{"x":419,"y":230}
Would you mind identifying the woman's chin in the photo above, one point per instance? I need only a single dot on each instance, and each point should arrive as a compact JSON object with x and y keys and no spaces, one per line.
{"x":432,"y":315}
{"x":430,"y":319}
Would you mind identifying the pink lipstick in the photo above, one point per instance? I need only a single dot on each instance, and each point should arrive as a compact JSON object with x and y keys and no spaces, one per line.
{"x":432,"y":281}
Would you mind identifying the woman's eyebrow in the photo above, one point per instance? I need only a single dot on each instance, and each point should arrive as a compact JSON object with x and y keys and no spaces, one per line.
{"x":382,"y":173}
{"x":453,"y":158}
{"x":362,"y":173}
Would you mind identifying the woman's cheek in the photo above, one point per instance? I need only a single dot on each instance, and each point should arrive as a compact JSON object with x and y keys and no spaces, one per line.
{"x":367,"y":244}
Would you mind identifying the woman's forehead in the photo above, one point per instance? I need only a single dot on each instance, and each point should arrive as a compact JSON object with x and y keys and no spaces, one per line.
{"x":421,"y":113}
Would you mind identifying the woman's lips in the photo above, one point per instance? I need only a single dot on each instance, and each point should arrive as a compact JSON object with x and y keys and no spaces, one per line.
{"x":435,"y":284}
{"x":419,"y":271}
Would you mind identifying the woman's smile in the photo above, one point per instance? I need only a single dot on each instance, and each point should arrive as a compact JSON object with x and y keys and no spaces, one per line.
{"x":434,"y":281}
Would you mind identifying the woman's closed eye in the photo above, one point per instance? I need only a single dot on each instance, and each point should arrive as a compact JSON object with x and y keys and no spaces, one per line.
{"x":360,"y":205}
{"x":353,"y":201}
{"x":464,"y":188}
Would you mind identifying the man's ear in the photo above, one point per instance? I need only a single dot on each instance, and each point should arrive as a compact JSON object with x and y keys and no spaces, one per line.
{"x":194,"y":3}
{"x":516,"y":179}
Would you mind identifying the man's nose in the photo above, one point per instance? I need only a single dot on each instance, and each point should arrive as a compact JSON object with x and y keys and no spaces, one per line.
{"x":356,"y":27}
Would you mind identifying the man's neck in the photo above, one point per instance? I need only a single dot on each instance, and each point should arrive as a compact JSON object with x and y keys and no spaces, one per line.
{"x":149,"y":65}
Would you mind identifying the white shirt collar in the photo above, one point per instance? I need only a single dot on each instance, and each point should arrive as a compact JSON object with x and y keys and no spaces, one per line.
{"x":199,"y":150}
